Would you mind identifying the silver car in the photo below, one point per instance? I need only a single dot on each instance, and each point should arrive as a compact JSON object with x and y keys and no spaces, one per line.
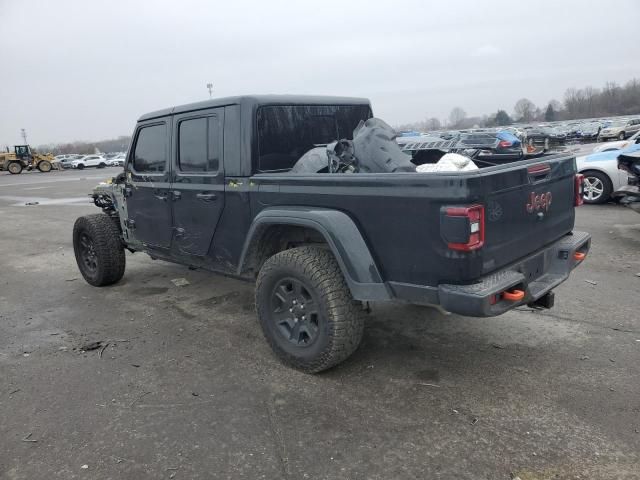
{"x":620,"y":129}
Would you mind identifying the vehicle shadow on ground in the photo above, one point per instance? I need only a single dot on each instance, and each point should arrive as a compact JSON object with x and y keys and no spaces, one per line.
{"x":414,"y":343}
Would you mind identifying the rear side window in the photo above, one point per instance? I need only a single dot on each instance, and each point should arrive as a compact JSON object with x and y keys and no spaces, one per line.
{"x":150,"y":154}
{"x":199,"y":145}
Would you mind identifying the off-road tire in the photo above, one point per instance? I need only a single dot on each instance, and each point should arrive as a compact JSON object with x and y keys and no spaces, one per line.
{"x":107,"y":247}
{"x":340,"y":317}
{"x":44,"y":166}
{"x":14,"y":168}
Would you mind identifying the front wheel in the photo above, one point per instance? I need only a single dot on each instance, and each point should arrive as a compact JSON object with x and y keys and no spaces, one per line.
{"x":621,"y":136}
{"x":306,"y":310}
{"x":98,"y":249}
{"x":80,"y":166}
{"x":44,"y":166}
{"x":597,"y":188}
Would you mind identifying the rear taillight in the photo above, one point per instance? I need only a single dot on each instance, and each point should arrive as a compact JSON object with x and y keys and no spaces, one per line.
{"x":579,"y":190}
{"x":463,"y":227}
{"x":504,"y":144}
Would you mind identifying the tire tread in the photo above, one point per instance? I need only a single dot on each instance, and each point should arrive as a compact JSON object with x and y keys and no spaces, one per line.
{"x":345,"y":315}
{"x":108,"y":246}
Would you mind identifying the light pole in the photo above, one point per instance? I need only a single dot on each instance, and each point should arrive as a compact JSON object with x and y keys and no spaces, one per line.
{"x":210,"y":88}
{"x":23,"y":132}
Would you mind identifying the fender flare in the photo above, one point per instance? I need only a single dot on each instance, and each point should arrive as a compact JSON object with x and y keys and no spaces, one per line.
{"x":343,"y":237}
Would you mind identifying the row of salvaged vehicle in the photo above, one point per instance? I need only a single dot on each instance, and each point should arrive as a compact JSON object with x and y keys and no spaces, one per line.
{"x":579,"y":132}
{"x":88,"y":161}
{"x":536,"y":138}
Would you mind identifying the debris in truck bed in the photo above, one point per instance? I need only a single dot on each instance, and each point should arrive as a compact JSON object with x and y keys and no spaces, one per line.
{"x":372,"y":150}
{"x":450,"y":162}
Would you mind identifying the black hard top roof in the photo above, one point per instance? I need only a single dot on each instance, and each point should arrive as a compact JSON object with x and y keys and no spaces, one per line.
{"x":257,"y":100}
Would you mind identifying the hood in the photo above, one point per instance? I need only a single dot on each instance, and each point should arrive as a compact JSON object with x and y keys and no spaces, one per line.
{"x":610,"y":155}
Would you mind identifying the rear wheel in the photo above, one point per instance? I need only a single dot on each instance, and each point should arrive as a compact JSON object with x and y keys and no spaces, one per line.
{"x":621,"y":136}
{"x":306,"y":310}
{"x":14,"y":168}
{"x":98,"y":249}
{"x":102,"y":165}
{"x":597,"y":187}
{"x":44,"y":166}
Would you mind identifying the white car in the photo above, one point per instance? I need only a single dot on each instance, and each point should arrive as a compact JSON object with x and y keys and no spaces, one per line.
{"x":601,"y":174}
{"x":87,"y":161}
{"x":117,"y":161}
{"x":618,"y":145}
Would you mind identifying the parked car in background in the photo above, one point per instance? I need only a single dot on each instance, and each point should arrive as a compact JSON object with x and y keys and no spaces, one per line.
{"x":117,"y":161}
{"x":621,"y":129}
{"x":66,"y":159}
{"x":589,"y":132}
{"x":601,"y":174}
{"x":498,"y":147}
{"x":571,"y":131}
{"x":545,"y":137}
{"x":87,"y":161}
{"x":618,"y":145}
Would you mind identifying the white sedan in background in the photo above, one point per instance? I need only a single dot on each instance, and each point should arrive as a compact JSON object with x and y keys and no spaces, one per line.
{"x":617,"y":145}
{"x":87,"y":161}
{"x":117,"y":161}
{"x":601,"y":174}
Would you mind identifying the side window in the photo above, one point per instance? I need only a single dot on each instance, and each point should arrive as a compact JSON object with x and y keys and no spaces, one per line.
{"x":199,"y":145}
{"x":149,"y":154}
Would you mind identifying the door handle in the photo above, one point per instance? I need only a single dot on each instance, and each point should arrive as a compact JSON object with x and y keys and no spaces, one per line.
{"x":207,"y":197}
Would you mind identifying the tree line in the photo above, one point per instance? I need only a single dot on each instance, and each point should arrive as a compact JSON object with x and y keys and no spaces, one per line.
{"x":119,"y":144}
{"x":578,"y":103}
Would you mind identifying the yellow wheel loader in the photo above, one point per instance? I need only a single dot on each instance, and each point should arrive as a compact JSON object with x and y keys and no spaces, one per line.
{"x":24,"y":157}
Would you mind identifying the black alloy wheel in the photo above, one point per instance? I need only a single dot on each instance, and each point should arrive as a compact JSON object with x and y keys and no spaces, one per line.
{"x":294,"y":312}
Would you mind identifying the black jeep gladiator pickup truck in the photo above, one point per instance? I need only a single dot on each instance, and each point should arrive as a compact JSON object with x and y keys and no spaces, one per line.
{"x":226,"y":185}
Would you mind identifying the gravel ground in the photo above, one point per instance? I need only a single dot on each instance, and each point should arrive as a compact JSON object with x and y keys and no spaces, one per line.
{"x":185,"y":387}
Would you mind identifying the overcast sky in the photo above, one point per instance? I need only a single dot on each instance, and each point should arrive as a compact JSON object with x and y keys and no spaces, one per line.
{"x":85,"y":70}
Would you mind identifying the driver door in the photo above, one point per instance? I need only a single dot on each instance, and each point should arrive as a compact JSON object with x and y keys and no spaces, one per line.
{"x":147,"y":184}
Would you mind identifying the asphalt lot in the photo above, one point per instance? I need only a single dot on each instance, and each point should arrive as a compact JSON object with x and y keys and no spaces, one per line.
{"x":188,"y":389}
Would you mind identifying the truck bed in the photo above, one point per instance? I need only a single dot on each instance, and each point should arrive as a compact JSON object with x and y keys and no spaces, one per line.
{"x":399,"y":214}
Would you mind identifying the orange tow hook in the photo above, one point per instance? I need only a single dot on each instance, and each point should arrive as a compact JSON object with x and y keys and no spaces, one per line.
{"x":514,"y":296}
{"x":579,"y":256}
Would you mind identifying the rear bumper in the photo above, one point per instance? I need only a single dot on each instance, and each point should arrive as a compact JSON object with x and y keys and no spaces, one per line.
{"x":535,"y":275}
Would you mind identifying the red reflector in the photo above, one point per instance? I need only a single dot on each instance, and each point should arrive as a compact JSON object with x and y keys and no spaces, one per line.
{"x":475,"y":214}
{"x":504,"y":144}
{"x":579,"y":190}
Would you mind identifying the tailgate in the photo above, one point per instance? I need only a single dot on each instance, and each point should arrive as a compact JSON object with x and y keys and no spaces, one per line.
{"x":527,"y":206}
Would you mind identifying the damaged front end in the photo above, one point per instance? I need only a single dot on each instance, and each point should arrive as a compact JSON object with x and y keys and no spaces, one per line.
{"x":110,"y":196}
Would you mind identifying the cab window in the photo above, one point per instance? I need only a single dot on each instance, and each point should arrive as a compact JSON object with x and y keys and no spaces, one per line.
{"x":199,"y":145}
{"x":149,"y":154}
